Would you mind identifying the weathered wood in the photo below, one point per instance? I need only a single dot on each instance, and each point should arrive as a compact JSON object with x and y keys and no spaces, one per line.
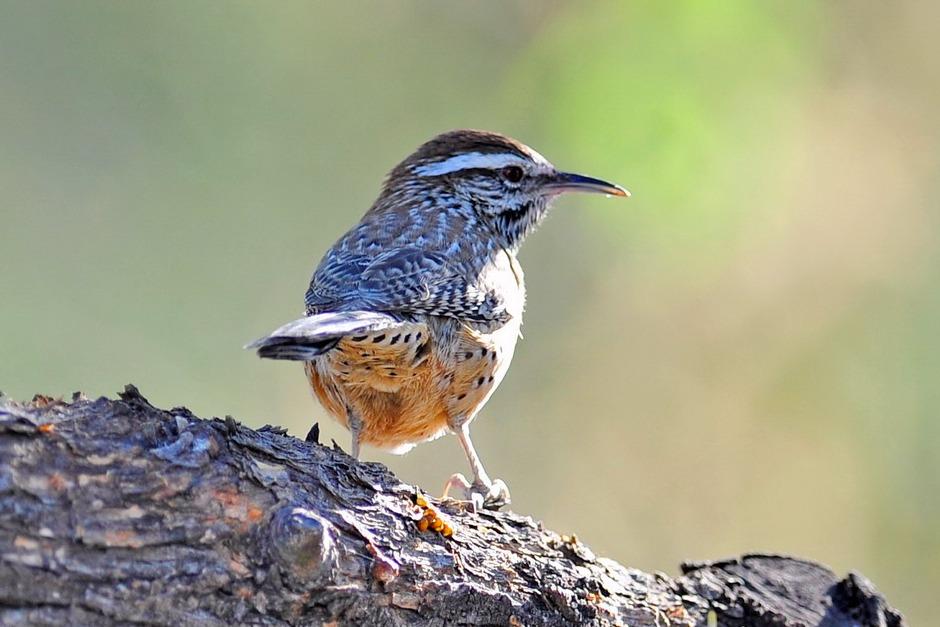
{"x":113,"y":511}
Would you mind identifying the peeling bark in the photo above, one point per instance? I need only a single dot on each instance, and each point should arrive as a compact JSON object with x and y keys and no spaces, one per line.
{"x":116,"y":512}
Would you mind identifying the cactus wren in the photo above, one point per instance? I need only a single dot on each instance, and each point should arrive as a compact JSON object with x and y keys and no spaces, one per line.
{"x":412,"y":316}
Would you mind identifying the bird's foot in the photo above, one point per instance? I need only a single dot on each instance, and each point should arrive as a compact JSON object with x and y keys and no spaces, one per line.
{"x":479,"y":495}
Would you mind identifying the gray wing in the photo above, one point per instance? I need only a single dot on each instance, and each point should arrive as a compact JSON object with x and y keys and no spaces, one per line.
{"x":405,"y":280}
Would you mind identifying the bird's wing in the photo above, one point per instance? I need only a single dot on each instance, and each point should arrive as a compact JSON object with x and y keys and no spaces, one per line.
{"x":405,"y":280}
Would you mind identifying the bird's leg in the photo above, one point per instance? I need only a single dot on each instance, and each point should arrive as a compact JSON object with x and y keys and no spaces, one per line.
{"x":354,"y":422}
{"x":483,"y":492}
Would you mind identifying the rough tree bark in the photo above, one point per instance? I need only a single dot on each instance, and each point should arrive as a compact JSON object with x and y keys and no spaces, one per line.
{"x":116,"y":512}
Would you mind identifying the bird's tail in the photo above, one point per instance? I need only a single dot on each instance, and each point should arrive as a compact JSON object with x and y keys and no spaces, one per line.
{"x":306,"y":338}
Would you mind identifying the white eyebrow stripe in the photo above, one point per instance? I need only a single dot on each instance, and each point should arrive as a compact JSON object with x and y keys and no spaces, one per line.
{"x":476,"y":160}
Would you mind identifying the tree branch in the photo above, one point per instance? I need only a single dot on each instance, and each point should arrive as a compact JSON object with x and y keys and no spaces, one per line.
{"x":114,"y":511}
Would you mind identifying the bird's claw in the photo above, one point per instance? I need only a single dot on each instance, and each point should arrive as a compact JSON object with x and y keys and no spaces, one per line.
{"x":479,"y":495}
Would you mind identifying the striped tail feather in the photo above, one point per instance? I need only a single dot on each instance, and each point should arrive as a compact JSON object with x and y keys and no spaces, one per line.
{"x":311,"y":336}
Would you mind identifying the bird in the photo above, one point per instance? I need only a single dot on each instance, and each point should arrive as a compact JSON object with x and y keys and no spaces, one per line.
{"x":411,"y":318}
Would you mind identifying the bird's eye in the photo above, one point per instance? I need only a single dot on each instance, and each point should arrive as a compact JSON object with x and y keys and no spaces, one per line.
{"x":512,"y":173}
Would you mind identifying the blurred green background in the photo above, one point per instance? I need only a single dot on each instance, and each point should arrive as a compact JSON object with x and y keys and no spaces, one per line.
{"x":744,"y":356}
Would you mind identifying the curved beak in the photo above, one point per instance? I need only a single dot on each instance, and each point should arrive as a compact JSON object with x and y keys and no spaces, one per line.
{"x":570,"y":182}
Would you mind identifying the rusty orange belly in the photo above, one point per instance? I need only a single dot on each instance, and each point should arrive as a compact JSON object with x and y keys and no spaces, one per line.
{"x":408,"y":385}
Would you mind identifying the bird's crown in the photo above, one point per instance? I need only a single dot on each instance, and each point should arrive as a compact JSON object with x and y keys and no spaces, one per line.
{"x":464,"y":149}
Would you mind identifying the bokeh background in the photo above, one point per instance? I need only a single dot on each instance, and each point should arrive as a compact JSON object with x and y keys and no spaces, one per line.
{"x":744,"y":356}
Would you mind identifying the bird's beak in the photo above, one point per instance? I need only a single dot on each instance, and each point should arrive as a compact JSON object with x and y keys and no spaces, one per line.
{"x":569,"y":182}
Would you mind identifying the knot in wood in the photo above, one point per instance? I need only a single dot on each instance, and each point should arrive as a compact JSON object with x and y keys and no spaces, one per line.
{"x":303,"y":543}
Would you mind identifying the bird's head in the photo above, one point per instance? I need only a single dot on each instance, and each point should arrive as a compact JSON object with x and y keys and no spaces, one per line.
{"x":508,"y":185}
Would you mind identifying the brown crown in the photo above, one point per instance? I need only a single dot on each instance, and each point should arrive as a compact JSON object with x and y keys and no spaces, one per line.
{"x":462,"y":141}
